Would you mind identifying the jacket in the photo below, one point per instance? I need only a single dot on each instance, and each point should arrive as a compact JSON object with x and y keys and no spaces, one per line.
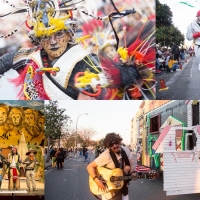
{"x":171,"y":62}
{"x":191,"y":29}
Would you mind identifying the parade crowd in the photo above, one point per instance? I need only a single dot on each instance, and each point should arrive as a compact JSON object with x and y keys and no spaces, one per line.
{"x":171,"y":59}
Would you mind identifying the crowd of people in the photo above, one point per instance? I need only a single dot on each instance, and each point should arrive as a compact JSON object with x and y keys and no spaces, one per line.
{"x":171,"y":59}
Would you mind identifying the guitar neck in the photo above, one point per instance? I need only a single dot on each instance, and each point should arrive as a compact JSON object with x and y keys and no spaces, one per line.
{"x":132,"y":176}
{"x":137,"y":175}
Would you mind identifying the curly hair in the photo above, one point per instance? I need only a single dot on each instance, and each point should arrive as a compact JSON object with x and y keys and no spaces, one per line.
{"x":111,"y":137}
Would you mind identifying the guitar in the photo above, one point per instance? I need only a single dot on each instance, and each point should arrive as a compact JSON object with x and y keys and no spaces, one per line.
{"x":114,"y":179}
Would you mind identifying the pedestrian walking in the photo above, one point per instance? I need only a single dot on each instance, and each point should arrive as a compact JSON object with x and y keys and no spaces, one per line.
{"x":53,"y":158}
{"x":59,"y":158}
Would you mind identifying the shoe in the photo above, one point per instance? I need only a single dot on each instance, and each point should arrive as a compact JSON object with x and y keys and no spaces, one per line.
{"x":178,"y":70}
{"x":171,"y":70}
{"x":34,"y":189}
{"x":158,"y":71}
{"x":29,"y":189}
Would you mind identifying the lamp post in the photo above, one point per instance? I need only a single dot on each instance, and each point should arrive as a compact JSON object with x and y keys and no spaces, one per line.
{"x":77,"y":127}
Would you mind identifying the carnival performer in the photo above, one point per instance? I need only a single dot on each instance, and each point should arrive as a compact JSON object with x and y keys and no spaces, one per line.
{"x":30,"y":162}
{"x":193,"y":33}
{"x":58,"y":67}
{"x":13,"y":170}
{"x":2,"y":162}
{"x":115,"y":156}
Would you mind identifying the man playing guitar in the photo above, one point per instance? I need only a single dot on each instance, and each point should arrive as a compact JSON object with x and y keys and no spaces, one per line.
{"x":115,"y":156}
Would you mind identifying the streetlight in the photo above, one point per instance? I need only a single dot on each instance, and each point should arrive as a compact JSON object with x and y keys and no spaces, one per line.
{"x":77,"y":126}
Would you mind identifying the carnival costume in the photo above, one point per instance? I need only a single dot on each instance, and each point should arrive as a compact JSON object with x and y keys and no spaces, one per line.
{"x":193,"y":33}
{"x":75,"y":70}
{"x":30,"y":163}
{"x":13,"y":170}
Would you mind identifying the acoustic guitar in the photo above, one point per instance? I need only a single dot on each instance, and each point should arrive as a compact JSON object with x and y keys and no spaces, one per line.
{"x":114,"y":179}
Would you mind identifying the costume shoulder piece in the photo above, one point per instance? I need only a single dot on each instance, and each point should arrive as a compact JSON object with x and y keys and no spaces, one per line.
{"x":22,"y":57}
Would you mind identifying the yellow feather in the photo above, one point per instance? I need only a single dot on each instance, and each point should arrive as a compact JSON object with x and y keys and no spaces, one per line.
{"x":123,"y":52}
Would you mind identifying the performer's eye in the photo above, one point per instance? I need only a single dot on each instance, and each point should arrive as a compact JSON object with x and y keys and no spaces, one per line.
{"x":44,"y":39}
{"x":59,"y":34}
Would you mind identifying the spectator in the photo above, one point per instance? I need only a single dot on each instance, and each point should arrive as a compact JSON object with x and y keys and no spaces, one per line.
{"x":173,"y":64}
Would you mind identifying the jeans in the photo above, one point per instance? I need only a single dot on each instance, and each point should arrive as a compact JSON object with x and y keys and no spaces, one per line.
{"x":174,"y":67}
{"x":182,"y":56}
{"x":157,"y":64}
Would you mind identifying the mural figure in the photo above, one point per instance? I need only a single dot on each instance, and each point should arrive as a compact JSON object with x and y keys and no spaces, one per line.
{"x":15,"y":125}
{"x":3,"y":125}
{"x":30,"y":128}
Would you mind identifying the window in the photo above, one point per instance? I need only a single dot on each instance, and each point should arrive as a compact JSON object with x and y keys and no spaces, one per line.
{"x":195,"y":114}
{"x":155,"y":124}
{"x":190,"y":140}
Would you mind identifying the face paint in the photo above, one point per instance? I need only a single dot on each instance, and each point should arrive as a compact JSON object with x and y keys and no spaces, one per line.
{"x":55,"y":44}
{"x":110,"y":51}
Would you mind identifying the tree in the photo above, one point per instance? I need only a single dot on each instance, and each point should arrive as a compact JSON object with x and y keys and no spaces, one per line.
{"x":165,"y":35}
{"x":166,"y":32}
{"x":86,"y":134}
{"x":163,"y":15}
{"x":101,"y":144}
{"x":54,"y":121}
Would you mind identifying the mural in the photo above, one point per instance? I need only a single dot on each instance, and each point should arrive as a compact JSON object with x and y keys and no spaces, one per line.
{"x":15,"y":120}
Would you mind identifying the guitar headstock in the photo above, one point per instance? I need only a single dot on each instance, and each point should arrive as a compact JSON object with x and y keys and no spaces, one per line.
{"x":152,"y":175}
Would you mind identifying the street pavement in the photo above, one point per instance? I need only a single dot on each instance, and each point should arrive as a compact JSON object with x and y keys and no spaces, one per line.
{"x":183,"y":84}
{"x":71,"y":183}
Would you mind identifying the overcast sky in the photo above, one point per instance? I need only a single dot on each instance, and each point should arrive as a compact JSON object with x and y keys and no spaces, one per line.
{"x":103,"y":116}
{"x":183,"y":15}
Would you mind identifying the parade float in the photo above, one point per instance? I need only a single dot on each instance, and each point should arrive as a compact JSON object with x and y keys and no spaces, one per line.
{"x":181,"y":170}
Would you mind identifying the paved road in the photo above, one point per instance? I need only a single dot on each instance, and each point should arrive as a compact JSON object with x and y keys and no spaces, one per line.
{"x":182,"y":85}
{"x":71,"y":183}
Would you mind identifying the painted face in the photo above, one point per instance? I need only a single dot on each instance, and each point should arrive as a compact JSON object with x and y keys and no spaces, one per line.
{"x":16,"y":119}
{"x":29,"y":119}
{"x":3,"y":115}
{"x":110,"y":51}
{"x":41,"y":123}
{"x":55,"y":44}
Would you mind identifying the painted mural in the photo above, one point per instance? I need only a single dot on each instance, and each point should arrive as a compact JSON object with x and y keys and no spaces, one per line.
{"x":16,"y":119}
